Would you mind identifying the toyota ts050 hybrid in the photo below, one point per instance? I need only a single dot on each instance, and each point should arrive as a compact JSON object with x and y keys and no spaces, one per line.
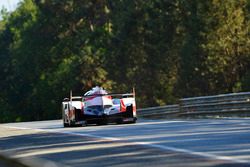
{"x":97,"y":106}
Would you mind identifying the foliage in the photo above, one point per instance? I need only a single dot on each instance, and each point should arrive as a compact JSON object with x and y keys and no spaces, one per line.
{"x":228,"y":45}
{"x":165,"y":49}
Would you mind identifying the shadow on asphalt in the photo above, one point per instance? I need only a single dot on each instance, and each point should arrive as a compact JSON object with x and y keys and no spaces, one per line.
{"x":72,"y":150}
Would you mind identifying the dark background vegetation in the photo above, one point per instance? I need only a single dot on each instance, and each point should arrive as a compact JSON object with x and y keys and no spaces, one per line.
{"x":166,"y":49}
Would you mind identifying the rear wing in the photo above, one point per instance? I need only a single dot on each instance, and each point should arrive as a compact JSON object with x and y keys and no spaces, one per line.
{"x":112,"y":95}
{"x":122,"y":95}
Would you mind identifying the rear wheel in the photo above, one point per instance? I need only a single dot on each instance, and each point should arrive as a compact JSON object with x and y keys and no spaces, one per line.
{"x":133,"y":122}
{"x":65,"y":125}
{"x":102,"y":122}
{"x":119,"y":121}
{"x":72,"y":123}
{"x":85,"y":123}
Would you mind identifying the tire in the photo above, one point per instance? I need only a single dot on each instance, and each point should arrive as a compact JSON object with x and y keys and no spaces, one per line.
{"x":119,"y":121}
{"x":72,"y":124}
{"x":102,"y":122}
{"x":65,"y":125}
{"x":85,"y":124}
{"x":134,"y":121}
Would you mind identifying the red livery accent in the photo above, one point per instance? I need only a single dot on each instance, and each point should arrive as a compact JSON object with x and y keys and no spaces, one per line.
{"x":123,"y":107}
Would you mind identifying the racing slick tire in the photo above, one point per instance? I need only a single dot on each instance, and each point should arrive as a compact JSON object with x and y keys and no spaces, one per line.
{"x":119,"y":121}
{"x":134,"y":121}
{"x":102,"y":122}
{"x":65,"y":125}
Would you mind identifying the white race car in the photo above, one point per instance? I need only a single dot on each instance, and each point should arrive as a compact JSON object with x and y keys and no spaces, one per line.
{"x":97,"y":106}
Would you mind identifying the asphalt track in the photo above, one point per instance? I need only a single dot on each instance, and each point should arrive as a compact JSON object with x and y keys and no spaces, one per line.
{"x":208,"y":142}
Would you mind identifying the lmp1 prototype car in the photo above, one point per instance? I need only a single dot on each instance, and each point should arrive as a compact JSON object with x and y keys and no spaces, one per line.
{"x":99,"y":107}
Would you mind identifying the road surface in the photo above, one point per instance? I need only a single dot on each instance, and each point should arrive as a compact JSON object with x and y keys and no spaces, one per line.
{"x":207,"y":142}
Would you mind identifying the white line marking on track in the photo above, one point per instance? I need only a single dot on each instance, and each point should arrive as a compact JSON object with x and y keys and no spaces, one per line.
{"x":149,"y":144}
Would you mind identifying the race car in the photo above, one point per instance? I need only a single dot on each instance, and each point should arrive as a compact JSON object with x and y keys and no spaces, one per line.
{"x":97,"y":106}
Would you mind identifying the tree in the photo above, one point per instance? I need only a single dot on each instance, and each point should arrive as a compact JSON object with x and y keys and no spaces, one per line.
{"x":228,"y":45}
{"x":192,"y":80}
{"x":143,"y":33}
